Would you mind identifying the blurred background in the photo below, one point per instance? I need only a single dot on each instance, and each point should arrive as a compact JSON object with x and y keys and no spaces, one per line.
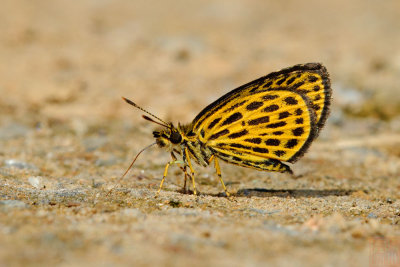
{"x":63,"y":61}
{"x":66,"y":135}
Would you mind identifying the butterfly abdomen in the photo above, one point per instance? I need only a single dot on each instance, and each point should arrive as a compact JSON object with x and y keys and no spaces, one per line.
{"x":197,"y":149}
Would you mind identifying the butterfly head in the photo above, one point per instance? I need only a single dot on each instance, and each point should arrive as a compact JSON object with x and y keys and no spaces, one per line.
{"x":168,"y":137}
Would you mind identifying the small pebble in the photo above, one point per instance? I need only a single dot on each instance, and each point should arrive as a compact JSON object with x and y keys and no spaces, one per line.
{"x":13,"y":130}
{"x":135,"y":213}
{"x":389,"y":200}
{"x":140,"y":193}
{"x":185,"y":241}
{"x":106,"y":162}
{"x":13,"y":163}
{"x":35,"y":181}
{"x":188,"y":212}
{"x":68,"y":193}
{"x":93,"y":143}
{"x":265,"y":212}
{"x":12,"y":203}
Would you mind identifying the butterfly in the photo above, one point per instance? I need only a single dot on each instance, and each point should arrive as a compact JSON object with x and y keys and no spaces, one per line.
{"x":261,"y":125}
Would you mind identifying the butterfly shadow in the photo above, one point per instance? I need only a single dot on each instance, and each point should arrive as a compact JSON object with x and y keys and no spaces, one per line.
{"x":310,"y":193}
{"x":284,"y":193}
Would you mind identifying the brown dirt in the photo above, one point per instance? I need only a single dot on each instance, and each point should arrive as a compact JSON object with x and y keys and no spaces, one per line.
{"x":66,"y":135}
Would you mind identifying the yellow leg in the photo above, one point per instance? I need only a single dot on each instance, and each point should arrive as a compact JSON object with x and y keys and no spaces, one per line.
{"x":191,"y":170}
{"x":166,"y":172}
{"x":184,"y":182}
{"x":163,"y":178}
{"x":218,"y":170}
{"x":211,"y":158}
{"x":183,"y":168}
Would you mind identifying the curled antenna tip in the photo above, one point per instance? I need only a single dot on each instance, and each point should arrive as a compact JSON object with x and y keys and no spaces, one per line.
{"x":128,"y":101}
{"x":150,"y":119}
{"x":142,"y":109}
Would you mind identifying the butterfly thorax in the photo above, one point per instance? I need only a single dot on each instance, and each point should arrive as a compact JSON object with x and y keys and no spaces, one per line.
{"x":177,"y":139}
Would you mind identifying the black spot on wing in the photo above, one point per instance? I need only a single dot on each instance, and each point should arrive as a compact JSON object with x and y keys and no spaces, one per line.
{"x":239,"y":146}
{"x":228,"y":157}
{"x":316,"y":107}
{"x":260,"y":91}
{"x":272,"y":142}
{"x":232,"y":118}
{"x":316,"y":88}
{"x":299,"y":121}
{"x":278,"y":133}
{"x":291,"y":143}
{"x":268,"y":84}
{"x":284,"y":115}
{"x":312,"y":78}
{"x":299,"y":111}
{"x":260,"y":120}
{"x":238,"y":134}
{"x":280,"y":81}
{"x":302,"y":91}
{"x":253,"y":89}
{"x":254,"y":105}
{"x":213,"y":123}
{"x":271,"y":108}
{"x":298,"y":131}
{"x":237,"y":159}
{"x":291,"y":100}
{"x":276,"y":125}
{"x":236,"y":106}
{"x":291,"y":80}
{"x":279,"y":153}
{"x":270,"y":97}
{"x":253,"y":140}
{"x":219,"y":134}
{"x":260,"y":150}
{"x":297,"y":85}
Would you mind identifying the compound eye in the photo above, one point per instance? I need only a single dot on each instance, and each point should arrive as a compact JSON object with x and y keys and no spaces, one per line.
{"x":175,"y":137}
{"x":156,"y":134}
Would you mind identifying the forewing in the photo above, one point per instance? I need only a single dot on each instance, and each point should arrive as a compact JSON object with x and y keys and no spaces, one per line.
{"x":311,"y":80}
{"x":277,"y":124}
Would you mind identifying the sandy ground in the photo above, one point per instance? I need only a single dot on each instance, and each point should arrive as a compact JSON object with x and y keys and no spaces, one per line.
{"x":66,"y":135}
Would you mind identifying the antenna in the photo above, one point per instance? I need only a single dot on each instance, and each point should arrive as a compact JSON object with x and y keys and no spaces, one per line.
{"x":156,"y":122}
{"x":142,"y":109}
{"x":130,"y":166}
